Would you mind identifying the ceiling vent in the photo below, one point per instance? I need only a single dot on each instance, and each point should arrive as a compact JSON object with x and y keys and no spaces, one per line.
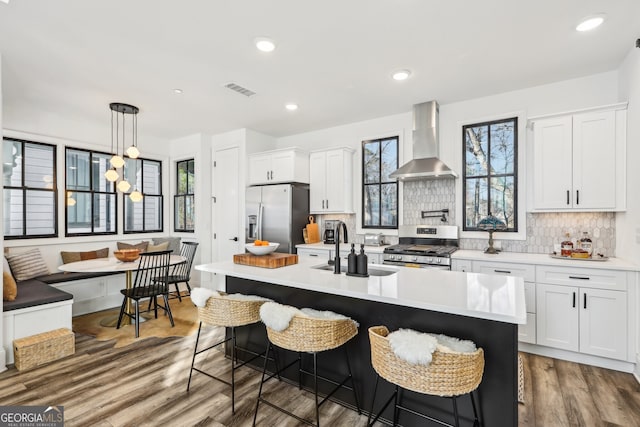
{"x":241,"y":90}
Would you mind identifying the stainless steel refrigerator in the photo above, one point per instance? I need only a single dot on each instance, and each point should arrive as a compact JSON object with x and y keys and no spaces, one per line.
{"x":277,"y":213}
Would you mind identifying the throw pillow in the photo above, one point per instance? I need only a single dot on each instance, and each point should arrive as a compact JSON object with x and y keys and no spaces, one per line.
{"x":9,"y":288}
{"x":28,"y":264}
{"x":174,"y":243}
{"x":158,"y":248}
{"x":5,"y":265}
{"x":68,"y":257}
{"x":142,"y":246}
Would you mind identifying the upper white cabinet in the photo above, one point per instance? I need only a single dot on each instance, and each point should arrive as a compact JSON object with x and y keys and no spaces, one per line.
{"x":330,"y":181}
{"x":579,"y":161}
{"x":277,"y":166}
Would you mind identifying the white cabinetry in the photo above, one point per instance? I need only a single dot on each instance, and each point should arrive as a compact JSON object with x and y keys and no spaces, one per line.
{"x":272,"y":167}
{"x":526,"y":333}
{"x":322,"y":255}
{"x":578,"y":161}
{"x":582,"y":317}
{"x":330,"y":181}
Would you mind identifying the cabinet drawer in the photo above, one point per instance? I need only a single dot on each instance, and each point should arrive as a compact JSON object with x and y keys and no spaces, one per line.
{"x":582,"y":277}
{"x":321,"y":254}
{"x":527,"y":272}
{"x":463,"y":265}
{"x":527,"y":333}
{"x":530,"y":297}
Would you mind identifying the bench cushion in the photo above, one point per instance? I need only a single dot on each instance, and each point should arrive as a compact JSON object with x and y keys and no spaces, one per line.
{"x":34,"y":292}
{"x":69,"y":276}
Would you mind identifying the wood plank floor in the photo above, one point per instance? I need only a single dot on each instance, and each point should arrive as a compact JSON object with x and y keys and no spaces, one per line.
{"x":144,"y":384}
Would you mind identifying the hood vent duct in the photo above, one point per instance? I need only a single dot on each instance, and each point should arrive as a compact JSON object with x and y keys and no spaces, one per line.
{"x":426,"y":147}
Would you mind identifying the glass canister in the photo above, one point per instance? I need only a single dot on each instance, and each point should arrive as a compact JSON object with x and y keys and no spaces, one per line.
{"x":586,"y":243}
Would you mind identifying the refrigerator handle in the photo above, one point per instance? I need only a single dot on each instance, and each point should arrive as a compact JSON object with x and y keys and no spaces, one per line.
{"x":259,"y":226}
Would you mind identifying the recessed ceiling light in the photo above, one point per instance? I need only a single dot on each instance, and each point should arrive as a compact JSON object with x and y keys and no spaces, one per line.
{"x":265,"y":44}
{"x":401,"y":75}
{"x":177,"y":91}
{"x":590,"y":22}
{"x":291,"y":106}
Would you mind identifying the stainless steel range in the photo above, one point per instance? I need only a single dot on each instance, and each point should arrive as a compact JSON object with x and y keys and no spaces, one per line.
{"x":423,"y":246}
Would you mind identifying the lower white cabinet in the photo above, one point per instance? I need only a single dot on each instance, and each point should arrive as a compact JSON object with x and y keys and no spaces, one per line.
{"x":591,"y":321}
{"x":320,"y":254}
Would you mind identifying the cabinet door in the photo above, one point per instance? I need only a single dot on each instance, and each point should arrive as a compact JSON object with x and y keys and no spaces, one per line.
{"x":322,"y":255}
{"x":552,"y":157}
{"x":317,"y":182}
{"x":603,"y":323}
{"x":557,"y":316}
{"x":335,"y":181}
{"x":594,"y":160}
{"x":283,"y":166}
{"x":259,"y":169}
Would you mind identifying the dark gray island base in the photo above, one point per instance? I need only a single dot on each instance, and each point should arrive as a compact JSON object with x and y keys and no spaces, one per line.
{"x":497,"y":392}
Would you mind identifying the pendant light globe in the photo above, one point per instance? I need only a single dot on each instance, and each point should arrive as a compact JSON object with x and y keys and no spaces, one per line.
{"x":111,"y":175}
{"x":117,"y":161}
{"x":136,"y":196}
{"x":133,"y":152}
{"x":124,"y":186}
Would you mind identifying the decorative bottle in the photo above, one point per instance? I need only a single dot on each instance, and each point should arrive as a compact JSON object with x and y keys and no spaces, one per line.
{"x":586,"y":243}
{"x":566,"y":245}
{"x":352,"y":267}
{"x":361,"y":262}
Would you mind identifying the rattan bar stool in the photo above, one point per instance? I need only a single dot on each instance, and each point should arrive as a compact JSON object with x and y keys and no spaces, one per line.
{"x":307,"y":334}
{"x":450,"y":374}
{"x":223,"y":310}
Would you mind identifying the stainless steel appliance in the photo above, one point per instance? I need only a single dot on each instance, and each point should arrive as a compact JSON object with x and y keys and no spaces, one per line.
{"x":329,"y":234}
{"x":423,"y":246}
{"x":277,"y":213}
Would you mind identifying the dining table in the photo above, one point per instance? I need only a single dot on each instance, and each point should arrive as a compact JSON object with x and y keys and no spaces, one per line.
{"x":113,"y":265}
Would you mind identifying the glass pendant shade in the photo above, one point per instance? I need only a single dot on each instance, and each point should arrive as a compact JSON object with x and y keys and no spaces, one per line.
{"x":117,"y":161}
{"x":133,"y":152}
{"x":124,"y":186}
{"x":135,"y":196}
{"x":111,"y":175}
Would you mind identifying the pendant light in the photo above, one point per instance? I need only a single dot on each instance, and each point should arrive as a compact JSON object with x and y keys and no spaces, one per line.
{"x":120,"y":110}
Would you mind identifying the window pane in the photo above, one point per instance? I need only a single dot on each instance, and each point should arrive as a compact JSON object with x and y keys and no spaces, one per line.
{"x":78,"y":177}
{"x":179,"y":212}
{"x":476,"y":201}
{"x":133,"y":219}
{"x":389,"y":158}
{"x":388,"y":198}
{"x":13,"y":205}
{"x":371,"y":205}
{"x":502,"y":148}
{"x":40,"y":213}
{"x":132,"y":168}
{"x":38,"y":164}
{"x":100,"y":164}
{"x":104,"y":213}
{"x":191,"y":168}
{"x":502,"y":199}
{"x":79,"y":215}
{"x":371,"y":153}
{"x":476,"y":146}
{"x":12,"y":167}
{"x":182,"y":177}
{"x":152,"y":213}
{"x":151,"y":178}
{"x":190,"y":213}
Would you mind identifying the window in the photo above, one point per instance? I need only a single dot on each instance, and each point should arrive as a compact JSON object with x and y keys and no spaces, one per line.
{"x":30,"y":189}
{"x":184,"y":198}
{"x":146,"y":176}
{"x":90,"y":198}
{"x":490,"y":173}
{"x":379,"y":192}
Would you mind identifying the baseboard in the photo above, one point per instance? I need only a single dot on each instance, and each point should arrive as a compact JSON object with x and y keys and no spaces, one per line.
{"x":602,"y":362}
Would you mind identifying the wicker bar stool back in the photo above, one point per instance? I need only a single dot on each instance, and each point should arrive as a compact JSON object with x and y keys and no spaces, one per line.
{"x":307,"y":334}
{"x":450,"y":374}
{"x":222,"y":311}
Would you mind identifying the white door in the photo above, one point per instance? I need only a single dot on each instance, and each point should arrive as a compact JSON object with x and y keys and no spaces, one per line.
{"x":557,"y":316}
{"x":603,"y":323}
{"x":229,"y":239}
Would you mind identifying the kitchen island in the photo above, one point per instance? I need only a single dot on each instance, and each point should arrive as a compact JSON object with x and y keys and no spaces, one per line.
{"x":483,"y":308}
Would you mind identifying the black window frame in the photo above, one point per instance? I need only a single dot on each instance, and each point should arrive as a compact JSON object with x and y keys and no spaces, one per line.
{"x":179,"y":195}
{"x":24,"y":190}
{"x":144,"y":198}
{"x":92,"y":193}
{"x":379,"y":184}
{"x":490,"y":175}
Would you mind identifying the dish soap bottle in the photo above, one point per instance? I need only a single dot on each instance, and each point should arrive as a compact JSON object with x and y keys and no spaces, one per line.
{"x":352,"y":263}
{"x":586,"y":243}
{"x":362,"y":262}
{"x":566,"y":246}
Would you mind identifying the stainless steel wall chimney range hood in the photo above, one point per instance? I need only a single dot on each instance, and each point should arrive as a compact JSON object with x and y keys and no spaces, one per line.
{"x":426,"y":145}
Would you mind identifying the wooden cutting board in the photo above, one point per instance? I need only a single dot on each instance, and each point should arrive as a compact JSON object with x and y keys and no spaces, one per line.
{"x":312,"y":231}
{"x":272,"y":260}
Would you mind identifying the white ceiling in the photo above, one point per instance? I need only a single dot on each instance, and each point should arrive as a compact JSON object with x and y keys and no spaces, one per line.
{"x":334,"y":57}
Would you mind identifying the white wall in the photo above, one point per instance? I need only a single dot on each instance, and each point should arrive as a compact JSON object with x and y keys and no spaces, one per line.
{"x":3,"y":357}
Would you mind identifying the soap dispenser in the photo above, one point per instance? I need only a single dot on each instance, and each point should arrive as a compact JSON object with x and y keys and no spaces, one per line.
{"x":362,"y":262}
{"x":352,"y":263}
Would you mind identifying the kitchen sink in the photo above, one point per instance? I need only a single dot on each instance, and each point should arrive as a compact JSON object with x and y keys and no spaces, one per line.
{"x":371,"y":270}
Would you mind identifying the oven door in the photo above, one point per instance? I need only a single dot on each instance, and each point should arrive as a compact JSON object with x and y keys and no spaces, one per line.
{"x":414,"y":265}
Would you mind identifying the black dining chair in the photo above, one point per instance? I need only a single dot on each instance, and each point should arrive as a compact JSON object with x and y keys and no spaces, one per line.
{"x":181,"y":273}
{"x":152,"y":267}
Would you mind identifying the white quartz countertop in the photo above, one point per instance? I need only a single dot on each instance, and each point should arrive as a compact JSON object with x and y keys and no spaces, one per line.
{"x":483,"y":296}
{"x":343,"y":247}
{"x":545,"y":259}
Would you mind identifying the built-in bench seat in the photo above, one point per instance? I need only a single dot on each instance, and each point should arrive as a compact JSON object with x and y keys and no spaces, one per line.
{"x":34,"y":292}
